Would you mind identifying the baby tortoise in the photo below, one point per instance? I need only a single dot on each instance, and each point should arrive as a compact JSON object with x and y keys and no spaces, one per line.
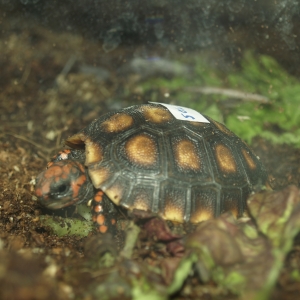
{"x":143,"y":158}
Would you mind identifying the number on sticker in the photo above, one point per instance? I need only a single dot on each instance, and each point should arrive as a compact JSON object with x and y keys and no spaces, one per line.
{"x":183,"y":111}
{"x":188,"y":116}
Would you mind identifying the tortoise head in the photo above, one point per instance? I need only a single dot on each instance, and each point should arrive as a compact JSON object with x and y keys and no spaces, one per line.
{"x":62,"y":184}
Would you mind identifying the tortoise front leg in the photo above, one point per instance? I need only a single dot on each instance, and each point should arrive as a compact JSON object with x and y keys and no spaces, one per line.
{"x":104,"y":213}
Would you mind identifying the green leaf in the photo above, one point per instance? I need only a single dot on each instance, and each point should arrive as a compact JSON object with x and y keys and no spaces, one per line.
{"x":67,"y":226}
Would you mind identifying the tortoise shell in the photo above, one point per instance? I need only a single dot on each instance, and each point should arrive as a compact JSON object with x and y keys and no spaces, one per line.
{"x":143,"y":158}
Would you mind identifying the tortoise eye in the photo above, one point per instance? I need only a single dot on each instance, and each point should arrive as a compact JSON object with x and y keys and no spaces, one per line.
{"x":62,"y":189}
{"x":59,"y":190}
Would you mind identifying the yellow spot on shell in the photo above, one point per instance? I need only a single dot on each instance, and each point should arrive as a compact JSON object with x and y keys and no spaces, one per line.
{"x":235,"y":211}
{"x":198,"y":124}
{"x":225,"y":159}
{"x":173,"y":212}
{"x":231,"y":203}
{"x":222,"y":127}
{"x":250,"y":162}
{"x":186,"y":155}
{"x":115,"y":193}
{"x":156,"y":114}
{"x":117,"y":123}
{"x":76,"y":141}
{"x":99,"y":176}
{"x":141,"y":204}
{"x":142,"y":150}
{"x":93,"y":152}
{"x":201,"y":215}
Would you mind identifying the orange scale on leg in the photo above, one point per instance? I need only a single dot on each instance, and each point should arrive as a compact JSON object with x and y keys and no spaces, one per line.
{"x":98,"y":197}
{"x":100,"y":219}
{"x":103,"y":228}
{"x":98,"y":208}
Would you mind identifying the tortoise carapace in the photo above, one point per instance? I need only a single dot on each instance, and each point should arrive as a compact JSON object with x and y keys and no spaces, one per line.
{"x":143,"y":158}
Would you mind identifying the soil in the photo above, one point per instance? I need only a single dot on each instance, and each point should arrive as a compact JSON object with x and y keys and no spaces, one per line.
{"x":41,"y":105}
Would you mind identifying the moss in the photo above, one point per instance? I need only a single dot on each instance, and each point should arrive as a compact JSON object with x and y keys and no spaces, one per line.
{"x":278,"y":120}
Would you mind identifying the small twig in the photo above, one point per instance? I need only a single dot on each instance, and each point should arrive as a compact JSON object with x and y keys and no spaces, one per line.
{"x":14,"y":124}
{"x":25,"y":74}
{"x":58,"y":139}
{"x":20,"y":137}
{"x":68,"y":66}
{"x":44,"y":149}
{"x":41,"y":154}
{"x":230,"y":93}
{"x":132,"y":233}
